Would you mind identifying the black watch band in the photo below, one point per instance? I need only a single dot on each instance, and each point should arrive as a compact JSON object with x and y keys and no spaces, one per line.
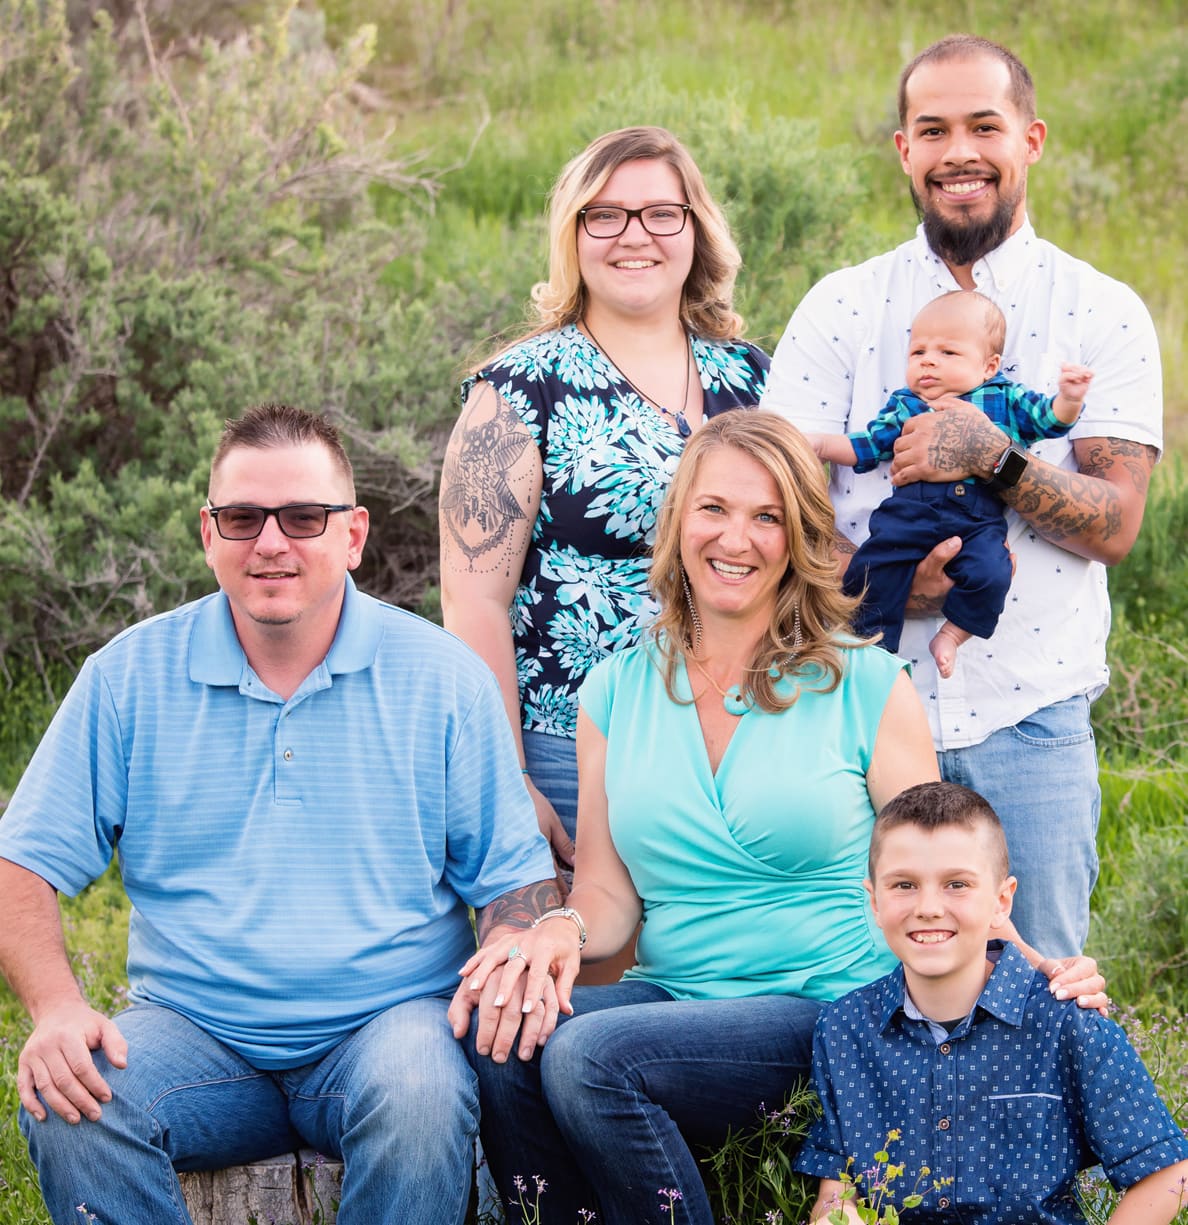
{"x":1012,"y":463}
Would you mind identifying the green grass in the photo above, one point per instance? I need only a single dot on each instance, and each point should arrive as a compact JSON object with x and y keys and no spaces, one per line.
{"x":1112,"y":185}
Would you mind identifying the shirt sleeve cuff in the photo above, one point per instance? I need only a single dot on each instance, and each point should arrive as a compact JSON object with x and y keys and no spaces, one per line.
{"x":867,"y":459}
{"x":818,"y":1163}
{"x":1154,"y":1157}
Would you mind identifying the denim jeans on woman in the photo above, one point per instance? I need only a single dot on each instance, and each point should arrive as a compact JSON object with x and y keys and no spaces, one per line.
{"x":607,"y":1112}
{"x":552,"y":766}
{"x":395,"y":1101}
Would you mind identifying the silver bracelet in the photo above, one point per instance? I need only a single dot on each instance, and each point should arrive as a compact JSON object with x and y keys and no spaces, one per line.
{"x":565,"y":912}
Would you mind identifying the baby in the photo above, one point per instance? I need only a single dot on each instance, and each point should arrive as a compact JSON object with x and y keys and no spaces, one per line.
{"x":955,"y":349}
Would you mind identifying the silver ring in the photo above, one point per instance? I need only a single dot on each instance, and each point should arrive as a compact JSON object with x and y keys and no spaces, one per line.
{"x":515,"y":952}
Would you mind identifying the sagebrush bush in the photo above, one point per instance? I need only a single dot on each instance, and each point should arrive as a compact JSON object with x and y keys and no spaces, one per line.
{"x":180,"y":238}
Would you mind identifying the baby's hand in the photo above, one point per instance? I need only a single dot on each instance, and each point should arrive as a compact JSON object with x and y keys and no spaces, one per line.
{"x":1074,"y":382}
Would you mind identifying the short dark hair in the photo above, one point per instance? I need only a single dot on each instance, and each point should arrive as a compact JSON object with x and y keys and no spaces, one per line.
{"x":931,"y":806}
{"x":970,"y":46}
{"x":282,"y":425}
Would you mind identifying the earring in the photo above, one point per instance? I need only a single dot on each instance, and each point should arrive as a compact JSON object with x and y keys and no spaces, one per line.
{"x":693,"y":615}
{"x":797,"y":634}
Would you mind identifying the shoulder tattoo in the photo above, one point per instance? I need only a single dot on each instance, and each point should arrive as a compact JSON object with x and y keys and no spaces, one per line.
{"x":478,"y":504}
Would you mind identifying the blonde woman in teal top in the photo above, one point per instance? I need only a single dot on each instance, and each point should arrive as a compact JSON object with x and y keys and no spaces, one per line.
{"x":731,"y":863}
{"x":729,"y":771}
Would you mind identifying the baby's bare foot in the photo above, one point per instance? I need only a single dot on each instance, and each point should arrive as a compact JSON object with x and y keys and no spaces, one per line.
{"x":944,"y":647}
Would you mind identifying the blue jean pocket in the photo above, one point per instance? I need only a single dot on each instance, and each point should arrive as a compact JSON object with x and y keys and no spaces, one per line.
{"x":1058,"y":726}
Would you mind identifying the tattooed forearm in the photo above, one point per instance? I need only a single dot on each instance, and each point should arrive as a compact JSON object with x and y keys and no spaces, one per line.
{"x":842,"y":545}
{"x":478,"y":505}
{"x":519,"y":907}
{"x":1095,"y":511}
{"x":1061,"y":505}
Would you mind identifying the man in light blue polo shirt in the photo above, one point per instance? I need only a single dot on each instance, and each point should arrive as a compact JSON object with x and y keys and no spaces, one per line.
{"x":305,"y":789}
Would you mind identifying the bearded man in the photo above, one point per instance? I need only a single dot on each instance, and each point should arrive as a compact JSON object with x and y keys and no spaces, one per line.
{"x":1012,"y":722}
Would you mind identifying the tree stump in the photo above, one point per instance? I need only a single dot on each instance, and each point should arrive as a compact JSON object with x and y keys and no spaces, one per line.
{"x":293,"y":1189}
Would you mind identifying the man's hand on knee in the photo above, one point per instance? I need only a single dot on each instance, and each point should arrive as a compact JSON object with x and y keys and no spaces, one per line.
{"x":56,"y":1062}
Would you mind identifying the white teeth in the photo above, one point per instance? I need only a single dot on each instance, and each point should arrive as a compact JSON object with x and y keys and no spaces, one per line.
{"x":929,"y":937}
{"x":963,"y":189}
{"x":726,"y":568}
{"x":635,"y":263}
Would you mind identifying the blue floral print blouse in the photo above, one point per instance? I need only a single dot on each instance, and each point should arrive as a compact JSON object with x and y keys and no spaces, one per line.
{"x":608,"y":458}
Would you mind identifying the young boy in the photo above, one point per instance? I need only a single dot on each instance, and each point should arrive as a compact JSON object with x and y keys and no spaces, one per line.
{"x":1002,"y":1091}
{"x":955,"y":349}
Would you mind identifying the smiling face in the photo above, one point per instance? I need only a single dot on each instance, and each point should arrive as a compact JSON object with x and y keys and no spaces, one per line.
{"x":938,"y":895}
{"x":949,"y":352}
{"x":279,"y":587}
{"x":733,"y":540}
{"x":967,"y":147}
{"x":637,"y":274}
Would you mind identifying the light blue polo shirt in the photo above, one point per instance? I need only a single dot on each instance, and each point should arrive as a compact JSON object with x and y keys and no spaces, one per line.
{"x":294,"y":867}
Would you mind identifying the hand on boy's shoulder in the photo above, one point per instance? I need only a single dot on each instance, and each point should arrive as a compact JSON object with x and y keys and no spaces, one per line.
{"x":1076,"y":978}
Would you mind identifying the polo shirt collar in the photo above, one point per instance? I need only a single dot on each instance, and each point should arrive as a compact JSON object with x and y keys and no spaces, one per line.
{"x":1004,"y":996}
{"x":360,"y":628}
{"x":1004,"y":265}
{"x":217,"y":658}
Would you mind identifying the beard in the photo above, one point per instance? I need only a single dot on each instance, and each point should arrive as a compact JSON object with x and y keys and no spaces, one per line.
{"x":964,"y":241}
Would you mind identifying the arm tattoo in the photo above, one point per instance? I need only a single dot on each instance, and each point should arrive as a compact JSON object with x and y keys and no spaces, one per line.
{"x":842,"y":544}
{"x":478,"y":505}
{"x":1137,"y":458}
{"x":1063,"y":505}
{"x":519,"y":907}
{"x":924,"y":606}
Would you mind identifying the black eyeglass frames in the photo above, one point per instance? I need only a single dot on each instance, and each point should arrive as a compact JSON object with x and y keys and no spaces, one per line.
{"x":299,"y":521}
{"x":609,"y":221}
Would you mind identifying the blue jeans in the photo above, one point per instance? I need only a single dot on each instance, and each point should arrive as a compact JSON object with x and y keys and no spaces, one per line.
{"x":552,"y":764}
{"x":1040,"y":776}
{"x":625,"y":1087}
{"x":396,"y":1102}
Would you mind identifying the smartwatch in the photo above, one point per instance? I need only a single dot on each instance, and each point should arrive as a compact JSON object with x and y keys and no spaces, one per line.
{"x":1012,"y":463}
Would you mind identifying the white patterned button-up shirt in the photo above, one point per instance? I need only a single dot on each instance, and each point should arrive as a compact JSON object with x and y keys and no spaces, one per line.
{"x":845,"y":351}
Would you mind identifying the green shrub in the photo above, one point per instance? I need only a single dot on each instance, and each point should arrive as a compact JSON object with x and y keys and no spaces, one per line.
{"x":180,"y":238}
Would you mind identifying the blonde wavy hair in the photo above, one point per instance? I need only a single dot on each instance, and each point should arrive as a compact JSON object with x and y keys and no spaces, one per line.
{"x":707,"y":299}
{"x":811,"y":584}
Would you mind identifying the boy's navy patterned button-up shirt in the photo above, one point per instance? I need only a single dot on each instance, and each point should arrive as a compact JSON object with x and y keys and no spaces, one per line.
{"x":1023,"y":1094}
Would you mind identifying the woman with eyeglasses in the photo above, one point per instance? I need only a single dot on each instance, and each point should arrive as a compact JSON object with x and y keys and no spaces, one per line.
{"x":568,"y":439}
